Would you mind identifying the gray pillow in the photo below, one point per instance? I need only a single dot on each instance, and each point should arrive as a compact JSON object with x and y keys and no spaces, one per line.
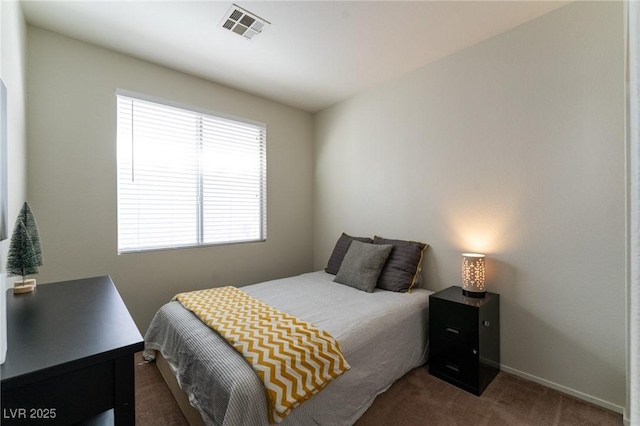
{"x":362,"y":265}
{"x":340,"y":249}
{"x":402,"y":270}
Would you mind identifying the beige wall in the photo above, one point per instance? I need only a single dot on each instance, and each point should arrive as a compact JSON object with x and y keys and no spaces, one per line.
{"x":515,"y":148}
{"x":72,"y":176}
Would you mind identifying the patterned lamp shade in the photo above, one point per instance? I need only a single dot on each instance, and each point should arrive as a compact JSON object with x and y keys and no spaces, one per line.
{"x":473,"y":275}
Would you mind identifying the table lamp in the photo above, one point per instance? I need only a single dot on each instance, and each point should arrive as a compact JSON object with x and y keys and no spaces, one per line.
{"x":473,"y":275}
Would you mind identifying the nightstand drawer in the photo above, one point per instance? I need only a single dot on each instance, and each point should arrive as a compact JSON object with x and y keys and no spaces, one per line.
{"x":453,"y":321}
{"x":458,"y":362}
{"x":451,"y":331}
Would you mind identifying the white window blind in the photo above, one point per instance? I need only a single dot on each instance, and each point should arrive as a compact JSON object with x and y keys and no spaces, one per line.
{"x":186,"y":178}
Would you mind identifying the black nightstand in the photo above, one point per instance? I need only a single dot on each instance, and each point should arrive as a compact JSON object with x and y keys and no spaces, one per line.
{"x":464,"y":339}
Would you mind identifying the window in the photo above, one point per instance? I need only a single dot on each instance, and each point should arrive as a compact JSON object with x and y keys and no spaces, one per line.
{"x":187,"y":178}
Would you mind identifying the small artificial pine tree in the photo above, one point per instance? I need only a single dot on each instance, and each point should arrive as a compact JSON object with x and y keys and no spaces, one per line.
{"x":25,"y":252}
{"x":29,"y":221}
{"x":22,"y":258}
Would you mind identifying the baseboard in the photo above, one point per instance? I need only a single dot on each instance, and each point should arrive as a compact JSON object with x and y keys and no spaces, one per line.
{"x":580,"y":395}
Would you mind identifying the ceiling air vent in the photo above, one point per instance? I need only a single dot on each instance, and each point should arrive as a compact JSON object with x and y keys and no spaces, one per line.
{"x":242,"y":22}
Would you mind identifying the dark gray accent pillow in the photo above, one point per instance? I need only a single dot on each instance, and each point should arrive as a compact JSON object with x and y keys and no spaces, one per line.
{"x":340,"y":249}
{"x":402,"y":270}
{"x":362,"y":265}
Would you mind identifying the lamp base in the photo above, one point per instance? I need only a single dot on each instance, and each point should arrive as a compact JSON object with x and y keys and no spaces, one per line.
{"x":25,"y":286}
{"x":476,"y":294}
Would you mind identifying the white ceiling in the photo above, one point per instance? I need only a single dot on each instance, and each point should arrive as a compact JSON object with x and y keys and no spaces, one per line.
{"x":314,"y":53}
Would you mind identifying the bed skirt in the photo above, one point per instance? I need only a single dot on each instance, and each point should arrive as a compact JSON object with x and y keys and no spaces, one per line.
{"x":191,"y":414}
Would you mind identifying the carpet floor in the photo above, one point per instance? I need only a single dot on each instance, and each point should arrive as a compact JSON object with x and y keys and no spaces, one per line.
{"x":418,"y":399}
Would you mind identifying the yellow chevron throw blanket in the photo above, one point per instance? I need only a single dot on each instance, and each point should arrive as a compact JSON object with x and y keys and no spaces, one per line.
{"x":294,"y":359}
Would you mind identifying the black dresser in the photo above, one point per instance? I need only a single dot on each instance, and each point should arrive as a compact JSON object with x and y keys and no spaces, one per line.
{"x":70,"y":356}
{"x":464,"y":339}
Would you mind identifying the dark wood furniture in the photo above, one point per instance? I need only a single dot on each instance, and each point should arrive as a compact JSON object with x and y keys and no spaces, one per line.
{"x":70,"y":348}
{"x":464,"y":338}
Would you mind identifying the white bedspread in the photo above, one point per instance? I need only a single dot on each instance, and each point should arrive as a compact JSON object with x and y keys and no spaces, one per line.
{"x":382,"y":335}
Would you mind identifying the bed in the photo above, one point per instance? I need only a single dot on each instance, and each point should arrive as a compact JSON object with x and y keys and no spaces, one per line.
{"x":382,"y":335}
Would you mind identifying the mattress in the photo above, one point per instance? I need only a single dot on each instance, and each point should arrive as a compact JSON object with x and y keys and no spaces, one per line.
{"x":382,"y":335}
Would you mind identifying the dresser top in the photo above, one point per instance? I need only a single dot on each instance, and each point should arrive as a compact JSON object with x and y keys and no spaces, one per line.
{"x":67,"y":322}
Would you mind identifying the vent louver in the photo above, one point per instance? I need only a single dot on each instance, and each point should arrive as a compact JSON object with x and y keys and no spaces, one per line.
{"x":242,"y":22}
